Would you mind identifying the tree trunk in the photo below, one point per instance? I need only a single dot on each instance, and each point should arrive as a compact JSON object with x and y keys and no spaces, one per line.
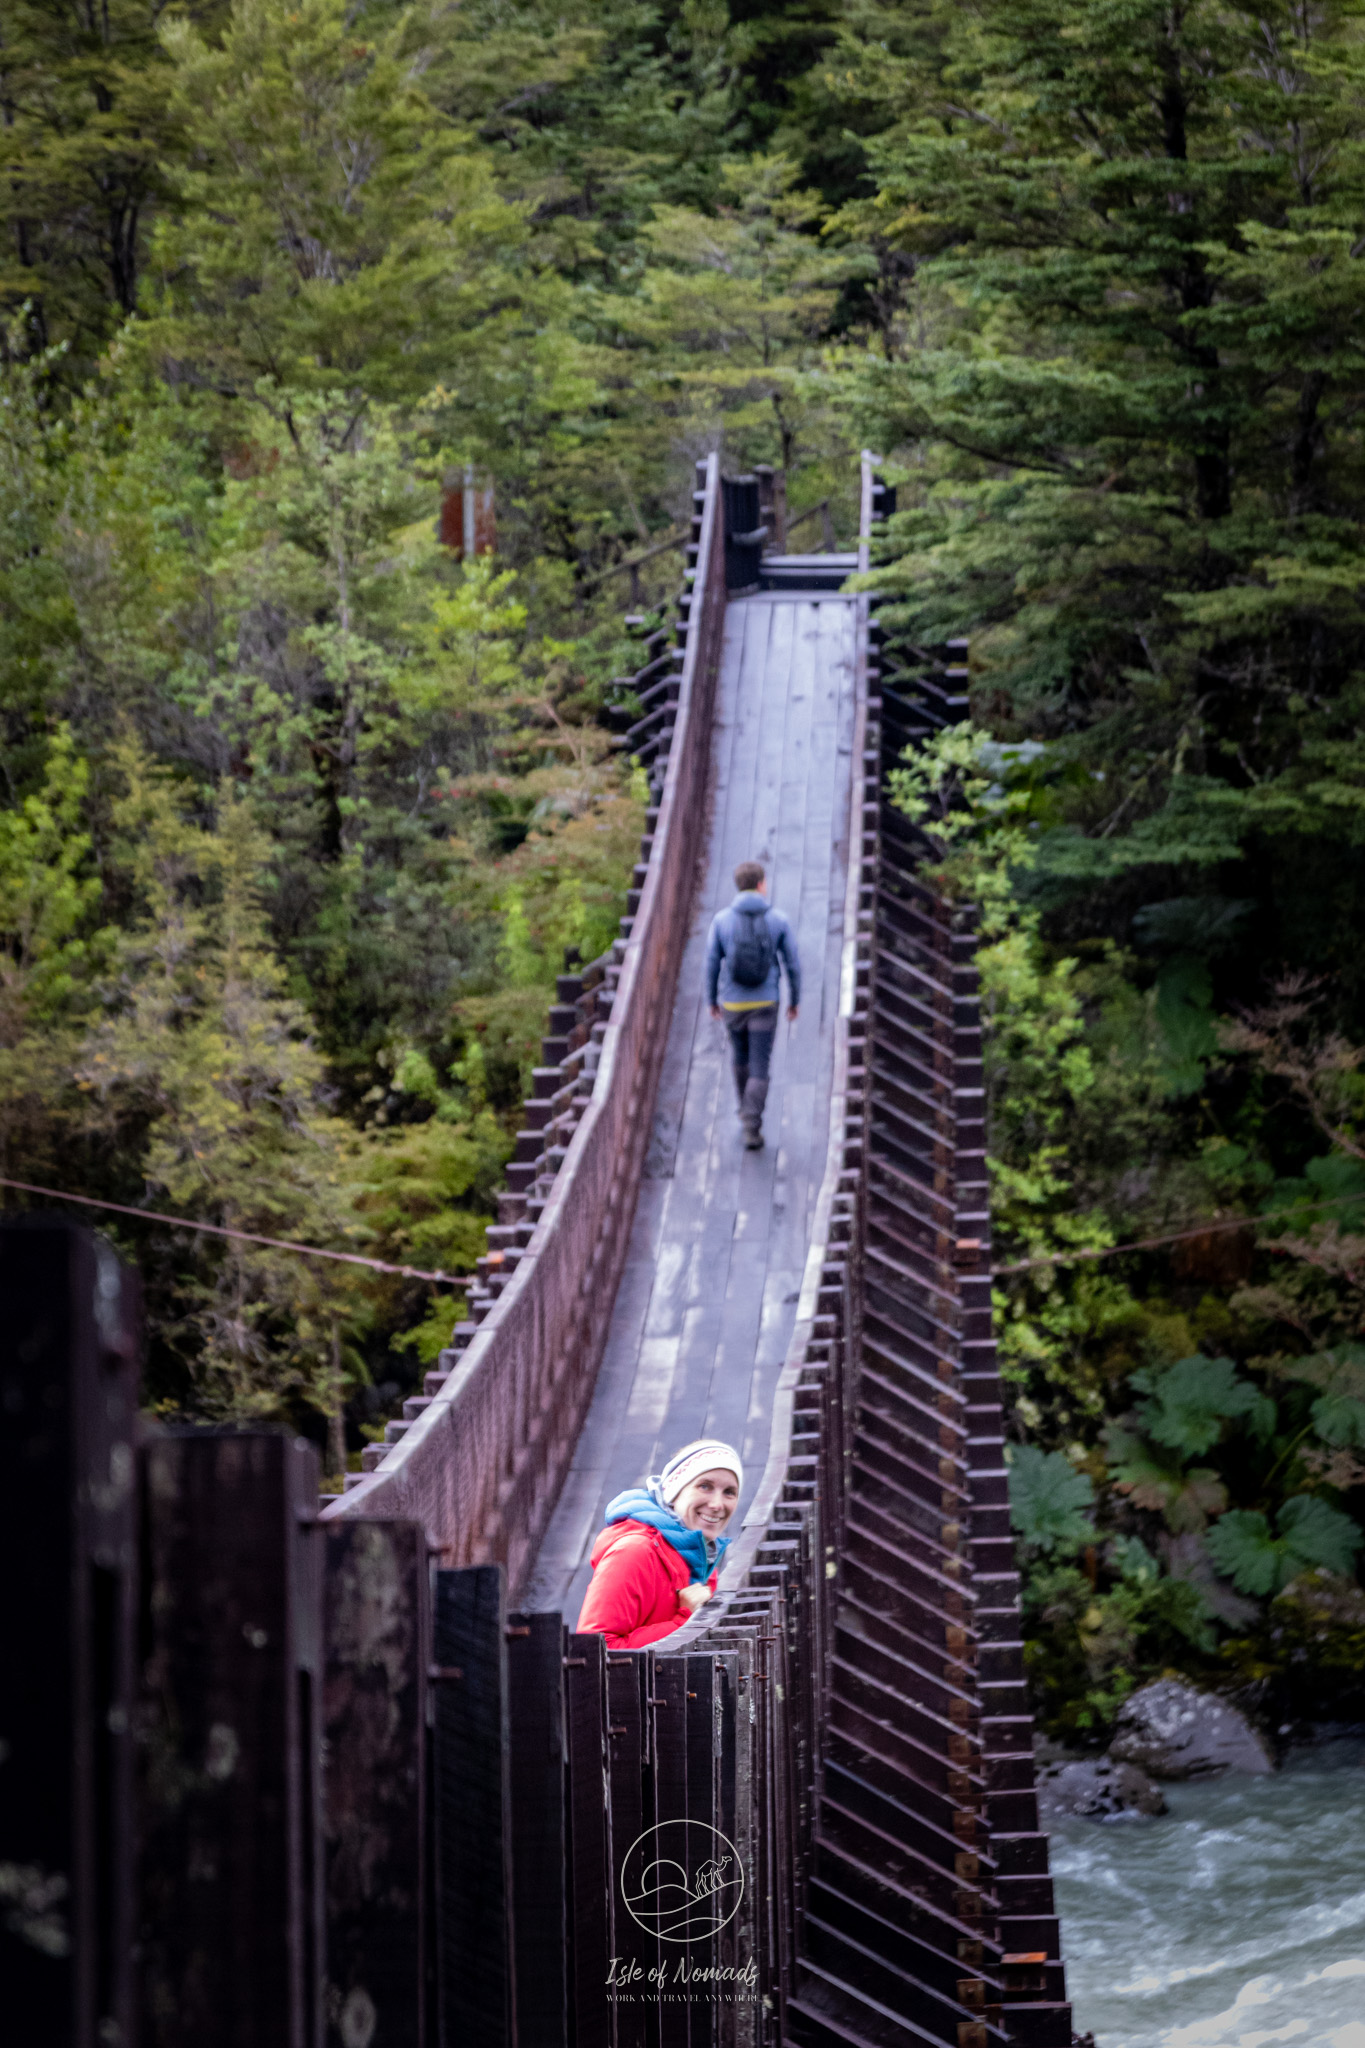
{"x":1307,"y":436}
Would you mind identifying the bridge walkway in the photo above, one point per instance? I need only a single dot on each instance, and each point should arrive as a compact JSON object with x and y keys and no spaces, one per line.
{"x":706,"y":1305}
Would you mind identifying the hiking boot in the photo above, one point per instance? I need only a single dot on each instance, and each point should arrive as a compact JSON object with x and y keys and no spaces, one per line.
{"x":753,"y":1137}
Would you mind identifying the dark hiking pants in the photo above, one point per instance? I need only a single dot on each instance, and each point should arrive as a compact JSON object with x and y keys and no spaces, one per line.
{"x":751,"y":1046}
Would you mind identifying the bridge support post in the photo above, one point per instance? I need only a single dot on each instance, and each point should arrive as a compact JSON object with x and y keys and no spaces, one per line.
{"x":535,"y":1668}
{"x":229,"y":1739}
{"x":378,"y":1649}
{"x":68,"y":1388}
{"x":473,"y":1819}
{"x":591,"y":1892}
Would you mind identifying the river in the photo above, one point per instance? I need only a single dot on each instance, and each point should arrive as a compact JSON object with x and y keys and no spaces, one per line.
{"x":1235,"y":1921}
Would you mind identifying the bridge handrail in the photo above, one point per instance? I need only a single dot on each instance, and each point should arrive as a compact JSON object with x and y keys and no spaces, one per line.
{"x":482,"y":1466}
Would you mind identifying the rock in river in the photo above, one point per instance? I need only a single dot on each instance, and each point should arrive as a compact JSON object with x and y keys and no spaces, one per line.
{"x":1097,"y":1788}
{"x":1175,"y":1731}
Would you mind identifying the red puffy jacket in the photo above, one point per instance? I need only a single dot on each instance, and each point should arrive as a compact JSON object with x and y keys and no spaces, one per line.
{"x":636,"y":1578}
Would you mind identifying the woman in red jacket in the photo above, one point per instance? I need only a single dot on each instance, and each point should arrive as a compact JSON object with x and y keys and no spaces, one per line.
{"x":656,"y":1561}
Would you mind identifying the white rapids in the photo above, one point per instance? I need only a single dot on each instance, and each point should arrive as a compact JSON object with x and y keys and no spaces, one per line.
{"x":1236,"y":1921}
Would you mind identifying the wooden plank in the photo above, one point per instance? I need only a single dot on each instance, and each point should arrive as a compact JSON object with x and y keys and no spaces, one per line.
{"x":670,"y":1806}
{"x":704,"y":1845}
{"x":68,"y":1345}
{"x":738,"y":814}
{"x":634,"y":1952}
{"x":792,"y":697}
{"x":470,"y":1788}
{"x":377,"y":1646}
{"x":741,"y":1797}
{"x":749,"y":820}
{"x":230,"y":1890}
{"x":650,"y":1947}
{"x":536,"y":1647}
{"x":780,"y":1832}
{"x":728,"y":1945}
{"x":591,"y":1893}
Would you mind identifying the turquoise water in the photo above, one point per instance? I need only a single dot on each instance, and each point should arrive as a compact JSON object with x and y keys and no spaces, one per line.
{"x":1235,"y":1921}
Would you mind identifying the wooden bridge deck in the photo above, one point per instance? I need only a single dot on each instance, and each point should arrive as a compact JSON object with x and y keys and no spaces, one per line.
{"x":705,"y":1309}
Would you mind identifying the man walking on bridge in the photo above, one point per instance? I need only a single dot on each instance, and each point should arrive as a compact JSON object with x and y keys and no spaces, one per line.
{"x":750,"y":943}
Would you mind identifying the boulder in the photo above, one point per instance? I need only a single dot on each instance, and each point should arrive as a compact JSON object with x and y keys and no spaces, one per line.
{"x":1096,"y":1787}
{"x":1175,"y":1731}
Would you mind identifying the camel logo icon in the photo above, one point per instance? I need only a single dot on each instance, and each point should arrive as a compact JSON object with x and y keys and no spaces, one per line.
{"x":682,"y":1880}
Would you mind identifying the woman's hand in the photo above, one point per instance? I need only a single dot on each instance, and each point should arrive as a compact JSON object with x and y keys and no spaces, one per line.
{"x":693,"y":1597}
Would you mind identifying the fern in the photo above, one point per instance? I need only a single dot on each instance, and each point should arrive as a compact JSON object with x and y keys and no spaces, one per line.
{"x":1310,"y":1533}
{"x":1133,"y":1561}
{"x":1048,"y":1497}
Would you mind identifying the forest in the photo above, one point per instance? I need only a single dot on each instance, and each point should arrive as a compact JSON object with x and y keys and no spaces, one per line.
{"x":299,"y":807}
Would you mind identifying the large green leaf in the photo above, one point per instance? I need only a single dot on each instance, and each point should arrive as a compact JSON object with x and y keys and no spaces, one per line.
{"x":1153,"y":1476}
{"x":1315,"y":1533}
{"x":1048,"y":1497}
{"x":1190,"y":1401}
{"x":1310,"y":1533}
{"x":1340,"y":1419}
{"x":1339,"y":1411}
{"x":1243,"y":1550}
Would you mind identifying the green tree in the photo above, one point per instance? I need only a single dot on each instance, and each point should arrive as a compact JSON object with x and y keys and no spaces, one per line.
{"x":52,"y":951}
{"x":206,"y":1057}
{"x":87,"y":128}
{"x":738,"y":299}
{"x":1132,"y":425}
{"x":336,"y":228}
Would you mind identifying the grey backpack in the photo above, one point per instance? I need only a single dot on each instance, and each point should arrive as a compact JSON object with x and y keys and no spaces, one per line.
{"x":753,"y":952}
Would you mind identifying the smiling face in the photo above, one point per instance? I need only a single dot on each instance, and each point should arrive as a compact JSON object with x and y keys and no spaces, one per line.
{"x":708,"y":1501}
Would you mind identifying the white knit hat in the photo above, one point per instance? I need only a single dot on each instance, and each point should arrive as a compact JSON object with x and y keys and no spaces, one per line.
{"x":692,"y":1460}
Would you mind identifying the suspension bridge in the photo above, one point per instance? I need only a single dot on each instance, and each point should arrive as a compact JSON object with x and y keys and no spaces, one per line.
{"x":289,"y":1776}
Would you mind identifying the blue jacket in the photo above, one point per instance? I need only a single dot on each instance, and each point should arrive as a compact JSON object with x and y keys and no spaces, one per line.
{"x":720,"y":988}
{"x":644,"y":1504}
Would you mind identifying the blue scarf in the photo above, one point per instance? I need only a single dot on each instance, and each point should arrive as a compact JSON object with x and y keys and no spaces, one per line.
{"x":646,"y":1504}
